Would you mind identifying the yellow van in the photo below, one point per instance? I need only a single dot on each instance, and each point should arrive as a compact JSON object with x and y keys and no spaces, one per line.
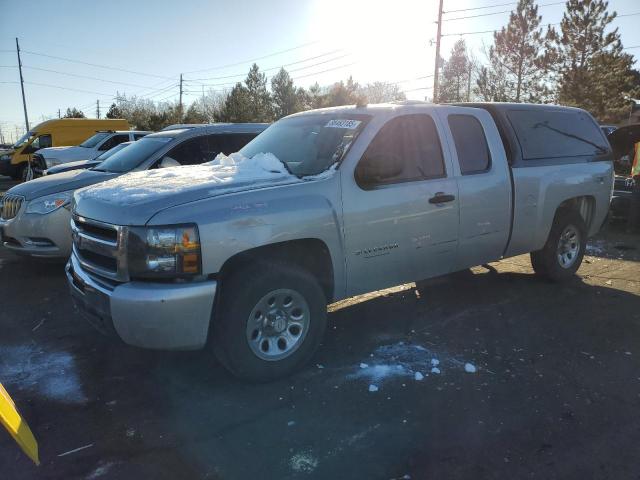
{"x":60,"y":132}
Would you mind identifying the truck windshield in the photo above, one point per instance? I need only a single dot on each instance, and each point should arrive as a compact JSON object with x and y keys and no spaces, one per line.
{"x":94,"y":140}
{"x":134,"y":155}
{"x":24,"y":139}
{"x":308,"y":144}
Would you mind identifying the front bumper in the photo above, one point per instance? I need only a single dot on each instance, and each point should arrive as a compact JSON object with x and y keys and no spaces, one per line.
{"x":38,"y":235}
{"x":145,"y":314}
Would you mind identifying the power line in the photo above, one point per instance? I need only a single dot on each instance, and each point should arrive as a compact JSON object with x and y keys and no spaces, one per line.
{"x":220,"y":67}
{"x":93,"y":64}
{"x":542,"y":25}
{"x":324,"y":71}
{"x":498,"y":13}
{"x":488,"y":31}
{"x":86,"y":76}
{"x":481,"y":8}
{"x":68,"y":88}
{"x":270,"y":68}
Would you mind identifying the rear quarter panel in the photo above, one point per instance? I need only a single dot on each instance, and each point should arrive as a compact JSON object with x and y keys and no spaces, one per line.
{"x":539,"y":191}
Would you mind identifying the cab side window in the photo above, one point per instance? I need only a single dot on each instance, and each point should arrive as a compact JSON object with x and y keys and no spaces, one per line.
{"x":190,"y":152}
{"x":406,"y":149}
{"x":471,"y":144}
{"x":113,"y":141}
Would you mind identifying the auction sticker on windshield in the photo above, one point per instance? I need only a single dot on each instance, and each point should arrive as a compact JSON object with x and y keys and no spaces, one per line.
{"x":343,"y":123}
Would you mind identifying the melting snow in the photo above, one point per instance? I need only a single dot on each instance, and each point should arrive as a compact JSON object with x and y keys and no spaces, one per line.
{"x":364,"y":365}
{"x":373,"y":388}
{"x":303,"y":462}
{"x":224,"y":171}
{"x":435,"y":370}
{"x":469,"y":368}
{"x":51,"y":374}
{"x":418,"y":376}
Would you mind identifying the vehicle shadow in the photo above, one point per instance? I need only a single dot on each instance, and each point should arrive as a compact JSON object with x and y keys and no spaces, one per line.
{"x":182,"y":410}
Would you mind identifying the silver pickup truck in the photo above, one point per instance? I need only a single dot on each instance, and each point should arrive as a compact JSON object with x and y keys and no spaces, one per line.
{"x":244,"y":255}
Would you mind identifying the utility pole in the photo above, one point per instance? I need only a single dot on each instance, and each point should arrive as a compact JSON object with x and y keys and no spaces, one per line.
{"x":98,"y":109}
{"x":437,"y":65}
{"x":58,"y":113}
{"x":24,"y":102}
{"x":181,"y":95}
{"x":469,"y":84}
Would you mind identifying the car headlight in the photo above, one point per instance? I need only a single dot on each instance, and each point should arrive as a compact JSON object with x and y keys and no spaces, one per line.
{"x":164,"y":252}
{"x":49,"y":203}
{"x":52,"y":162}
{"x":5,"y":158}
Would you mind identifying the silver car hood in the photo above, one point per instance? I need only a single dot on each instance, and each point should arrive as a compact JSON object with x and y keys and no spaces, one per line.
{"x":134,"y":198}
{"x":60,"y":182}
{"x":67,"y":154}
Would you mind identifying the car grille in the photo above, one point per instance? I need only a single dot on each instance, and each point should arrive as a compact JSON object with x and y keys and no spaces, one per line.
{"x":10,"y":206}
{"x":99,"y":247}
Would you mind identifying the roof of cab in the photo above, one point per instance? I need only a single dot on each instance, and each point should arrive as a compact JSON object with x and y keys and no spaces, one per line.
{"x":220,"y":127}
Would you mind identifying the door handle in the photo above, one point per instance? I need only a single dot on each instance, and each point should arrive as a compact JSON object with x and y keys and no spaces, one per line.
{"x":441,"y":197}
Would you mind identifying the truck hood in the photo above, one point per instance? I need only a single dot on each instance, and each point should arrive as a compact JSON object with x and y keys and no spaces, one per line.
{"x":134,"y":198}
{"x":68,"y":154}
{"x":61,"y":182}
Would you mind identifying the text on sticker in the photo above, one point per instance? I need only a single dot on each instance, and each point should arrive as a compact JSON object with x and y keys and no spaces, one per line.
{"x":343,"y":123}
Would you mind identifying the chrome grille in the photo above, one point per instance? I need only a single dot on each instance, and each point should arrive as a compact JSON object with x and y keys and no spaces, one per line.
{"x":10,"y":206}
{"x":99,"y":247}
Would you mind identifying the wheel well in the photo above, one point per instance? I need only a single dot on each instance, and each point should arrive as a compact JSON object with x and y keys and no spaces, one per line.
{"x":309,"y":253}
{"x":584,"y":205}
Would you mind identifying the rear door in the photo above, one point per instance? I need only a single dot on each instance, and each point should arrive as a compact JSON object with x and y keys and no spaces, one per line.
{"x":484,"y":185}
{"x":403,"y":227}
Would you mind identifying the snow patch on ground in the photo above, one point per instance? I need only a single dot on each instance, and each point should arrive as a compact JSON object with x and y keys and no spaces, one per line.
{"x":303,"y":462}
{"x":50,"y":374}
{"x":100,"y":471}
{"x":224,"y":174}
{"x":596,"y":247}
{"x":402,"y":360}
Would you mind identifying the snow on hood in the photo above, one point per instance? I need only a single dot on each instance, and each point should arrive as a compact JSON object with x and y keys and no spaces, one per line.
{"x":224,"y":174}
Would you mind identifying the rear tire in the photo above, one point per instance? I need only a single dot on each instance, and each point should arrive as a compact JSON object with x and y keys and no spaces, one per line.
{"x":269,"y":321}
{"x":562,"y":254}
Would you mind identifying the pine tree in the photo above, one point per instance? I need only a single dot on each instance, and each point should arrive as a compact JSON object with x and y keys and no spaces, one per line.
{"x":342,"y":93}
{"x":316,"y":97}
{"x":594,"y":72}
{"x":73,"y":113}
{"x":114,"y":112}
{"x":519,"y":53}
{"x":258,"y":96}
{"x":236,"y":107}
{"x":286,"y":98}
{"x":455,"y":75}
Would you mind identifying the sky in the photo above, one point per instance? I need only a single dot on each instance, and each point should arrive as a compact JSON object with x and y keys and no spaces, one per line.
{"x":146,"y":45}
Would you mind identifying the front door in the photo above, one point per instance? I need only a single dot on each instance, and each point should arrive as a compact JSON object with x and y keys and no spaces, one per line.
{"x":401,"y":224}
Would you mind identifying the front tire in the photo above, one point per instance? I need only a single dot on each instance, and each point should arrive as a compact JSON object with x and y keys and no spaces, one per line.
{"x":269,"y":321}
{"x":562,"y":254}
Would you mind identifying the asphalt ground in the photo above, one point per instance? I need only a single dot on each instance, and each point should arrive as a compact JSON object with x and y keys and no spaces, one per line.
{"x":556,"y":392}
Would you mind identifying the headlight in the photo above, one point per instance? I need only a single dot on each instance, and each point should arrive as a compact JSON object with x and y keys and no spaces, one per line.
{"x":5,"y":158}
{"x":164,"y":252}
{"x":51,"y":162}
{"x":49,"y":203}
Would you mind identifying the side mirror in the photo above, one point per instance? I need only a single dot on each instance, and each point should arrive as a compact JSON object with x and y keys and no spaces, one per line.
{"x":377,"y":168}
{"x":168,"y":162}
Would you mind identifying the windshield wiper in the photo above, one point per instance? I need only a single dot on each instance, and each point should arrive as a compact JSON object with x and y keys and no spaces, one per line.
{"x":599,"y":148}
